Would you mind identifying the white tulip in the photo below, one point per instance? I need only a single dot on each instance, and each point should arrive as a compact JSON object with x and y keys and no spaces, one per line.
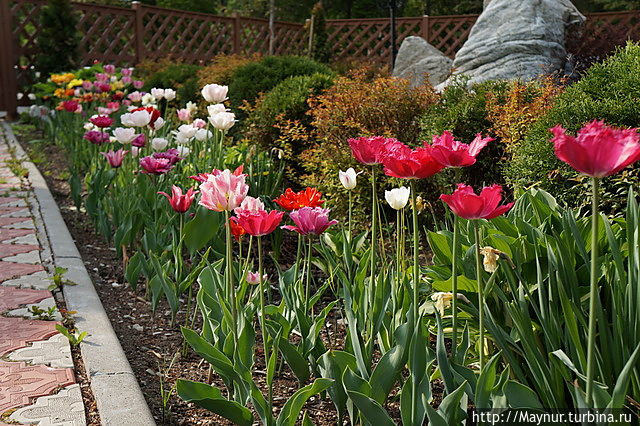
{"x":183,"y":150}
{"x":187,"y":130}
{"x":88,"y":126}
{"x":148,"y":99}
{"x":182,"y":139}
{"x":157,"y":93}
{"x":397,"y":197}
{"x":203,"y":134}
{"x":215,"y":109}
{"x":124,"y":136}
{"x":31,"y":96}
{"x":135,"y":151}
{"x":223,"y":120}
{"x":158,"y":144}
{"x":348,"y":178}
{"x":158,"y":123}
{"x":169,"y":94}
{"x":192,"y":107}
{"x":136,"y":118}
{"x":20,"y":95}
{"x":215,"y":93}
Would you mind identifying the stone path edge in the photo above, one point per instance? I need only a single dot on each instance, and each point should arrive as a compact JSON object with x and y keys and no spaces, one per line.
{"x":119,"y":400}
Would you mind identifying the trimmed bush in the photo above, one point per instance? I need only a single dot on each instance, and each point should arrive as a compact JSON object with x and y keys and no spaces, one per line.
{"x":222,"y":68}
{"x":58,"y":39}
{"x":609,"y":91}
{"x":181,"y":77}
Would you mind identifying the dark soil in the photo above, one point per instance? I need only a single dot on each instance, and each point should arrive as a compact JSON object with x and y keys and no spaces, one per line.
{"x":151,"y":342}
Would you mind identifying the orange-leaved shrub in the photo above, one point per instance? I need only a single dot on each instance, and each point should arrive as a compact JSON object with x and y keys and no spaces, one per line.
{"x":359,"y":106}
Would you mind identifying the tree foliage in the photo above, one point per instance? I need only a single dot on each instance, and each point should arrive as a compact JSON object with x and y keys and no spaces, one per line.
{"x":58,"y":38}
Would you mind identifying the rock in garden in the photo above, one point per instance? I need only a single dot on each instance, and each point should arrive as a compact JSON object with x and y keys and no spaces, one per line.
{"x":417,"y":59}
{"x":517,"y":39}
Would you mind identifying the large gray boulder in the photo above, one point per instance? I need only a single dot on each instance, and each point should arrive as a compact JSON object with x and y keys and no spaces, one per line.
{"x":517,"y":39}
{"x":416,"y":59}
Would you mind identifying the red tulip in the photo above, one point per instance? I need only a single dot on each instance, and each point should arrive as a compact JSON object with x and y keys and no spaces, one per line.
{"x":452,"y":153}
{"x":155,"y":114}
{"x":599,"y":150}
{"x":101,"y":121}
{"x":466,"y":204}
{"x":290,"y":200}
{"x":259,"y":223}
{"x":371,"y":150}
{"x":402,"y":162}
{"x":236,"y":230}
{"x":180,"y":202}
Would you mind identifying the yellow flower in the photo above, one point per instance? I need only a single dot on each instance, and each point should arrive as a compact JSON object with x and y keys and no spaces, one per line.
{"x":74,"y":83}
{"x":62,"y":78}
{"x":491,"y":256}
{"x":443,"y":301}
{"x":117,"y":85}
{"x":59,"y":93}
{"x":420,"y":203}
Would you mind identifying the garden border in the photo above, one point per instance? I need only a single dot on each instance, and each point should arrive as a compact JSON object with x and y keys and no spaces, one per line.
{"x":118,"y":396}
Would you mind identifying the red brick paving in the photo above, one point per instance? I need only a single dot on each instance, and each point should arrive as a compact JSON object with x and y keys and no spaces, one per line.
{"x":16,"y":332}
{"x":10,"y":270}
{"x":20,"y":383}
{"x":9,"y":233}
{"x":12,"y":298}
{"x":7,"y":200}
{"x":7,"y":209}
{"x":7,"y":250}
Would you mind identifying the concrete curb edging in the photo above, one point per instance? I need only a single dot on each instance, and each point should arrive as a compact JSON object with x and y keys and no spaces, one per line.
{"x":118,"y":396}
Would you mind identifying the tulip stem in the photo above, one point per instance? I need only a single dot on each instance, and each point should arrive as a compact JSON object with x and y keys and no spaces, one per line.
{"x":476,"y":232}
{"x":231,"y":296}
{"x":416,"y":274}
{"x":307,"y":279}
{"x":350,"y":206}
{"x":296,"y":266}
{"x":593,"y":291}
{"x":262,"y":326}
{"x":454,"y":286}
{"x":374,"y":221}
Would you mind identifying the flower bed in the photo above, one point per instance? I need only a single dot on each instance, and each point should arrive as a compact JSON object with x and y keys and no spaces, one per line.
{"x":538,"y":303}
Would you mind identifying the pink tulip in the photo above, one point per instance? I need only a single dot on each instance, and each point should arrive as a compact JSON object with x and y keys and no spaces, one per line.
{"x":155,"y":166}
{"x":110,"y":69}
{"x":452,"y":153}
{"x":101,"y":77}
{"x":599,"y":150}
{"x":184,"y":114}
{"x":115,"y":158}
{"x":87,"y":85}
{"x":180,"y":202}
{"x":310,"y":220}
{"x":260,"y":222}
{"x":126,"y":72}
{"x":254,"y":277}
{"x":466,"y":204}
{"x":202,"y":177}
{"x":402,"y":162}
{"x":138,"y":84}
{"x":223,"y":190}
{"x":126,"y":80}
{"x":370,"y":151}
{"x":251,"y":204}
{"x":97,"y":137}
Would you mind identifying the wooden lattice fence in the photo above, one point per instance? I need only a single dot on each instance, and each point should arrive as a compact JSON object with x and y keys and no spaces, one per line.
{"x":126,"y":36}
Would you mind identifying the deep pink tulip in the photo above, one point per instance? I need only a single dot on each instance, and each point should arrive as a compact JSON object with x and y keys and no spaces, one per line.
{"x":259,"y":222}
{"x":180,"y":202}
{"x":452,"y":153}
{"x":223,"y":190}
{"x":109,"y":69}
{"x":466,"y":204}
{"x":406,"y":163}
{"x":201,"y":177}
{"x":101,"y":77}
{"x":126,"y":72}
{"x":87,"y":85}
{"x":140,"y":141}
{"x":371,"y":150}
{"x":310,"y":220}
{"x":172,"y":155}
{"x":71,"y":106}
{"x":97,"y":137}
{"x":138,"y":84}
{"x":115,"y":158}
{"x":155,"y":166}
{"x":599,"y":150}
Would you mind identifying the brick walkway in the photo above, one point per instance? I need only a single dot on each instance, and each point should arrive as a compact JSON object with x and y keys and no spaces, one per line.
{"x":37,"y":383}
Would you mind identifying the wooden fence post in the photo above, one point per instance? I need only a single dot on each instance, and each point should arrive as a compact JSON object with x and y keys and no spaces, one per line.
{"x":425,"y":28}
{"x":236,"y":33}
{"x":8,"y":79}
{"x":139,"y":31}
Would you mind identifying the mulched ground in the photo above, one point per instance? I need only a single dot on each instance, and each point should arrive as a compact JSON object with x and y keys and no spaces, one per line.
{"x":151,"y":342}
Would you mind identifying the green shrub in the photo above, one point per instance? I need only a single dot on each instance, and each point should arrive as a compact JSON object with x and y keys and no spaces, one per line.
{"x":181,"y":77}
{"x":464,"y":113}
{"x":58,"y":38}
{"x":609,"y":91}
{"x":275,"y":111}
{"x":250,"y":80}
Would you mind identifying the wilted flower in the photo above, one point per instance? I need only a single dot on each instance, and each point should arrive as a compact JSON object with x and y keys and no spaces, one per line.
{"x":397,"y":197}
{"x":490,"y":258}
{"x":214,"y":93}
{"x":442,"y":301}
{"x":115,"y":158}
{"x":254,"y":277}
{"x":348,"y":178}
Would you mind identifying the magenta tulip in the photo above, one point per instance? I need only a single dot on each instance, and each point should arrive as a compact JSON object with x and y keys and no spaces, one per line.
{"x":310,"y":220}
{"x":97,"y":137}
{"x":155,"y":166}
{"x":172,"y":155}
{"x":452,"y":153}
{"x":180,"y":202}
{"x":223,"y":190}
{"x":370,"y":151}
{"x":466,"y":204}
{"x":115,"y":158}
{"x":402,"y":162}
{"x":599,"y":150}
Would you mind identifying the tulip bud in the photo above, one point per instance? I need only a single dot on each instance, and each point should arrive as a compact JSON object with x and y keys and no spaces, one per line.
{"x":397,"y":197}
{"x":214,"y":93}
{"x":348,"y":178}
